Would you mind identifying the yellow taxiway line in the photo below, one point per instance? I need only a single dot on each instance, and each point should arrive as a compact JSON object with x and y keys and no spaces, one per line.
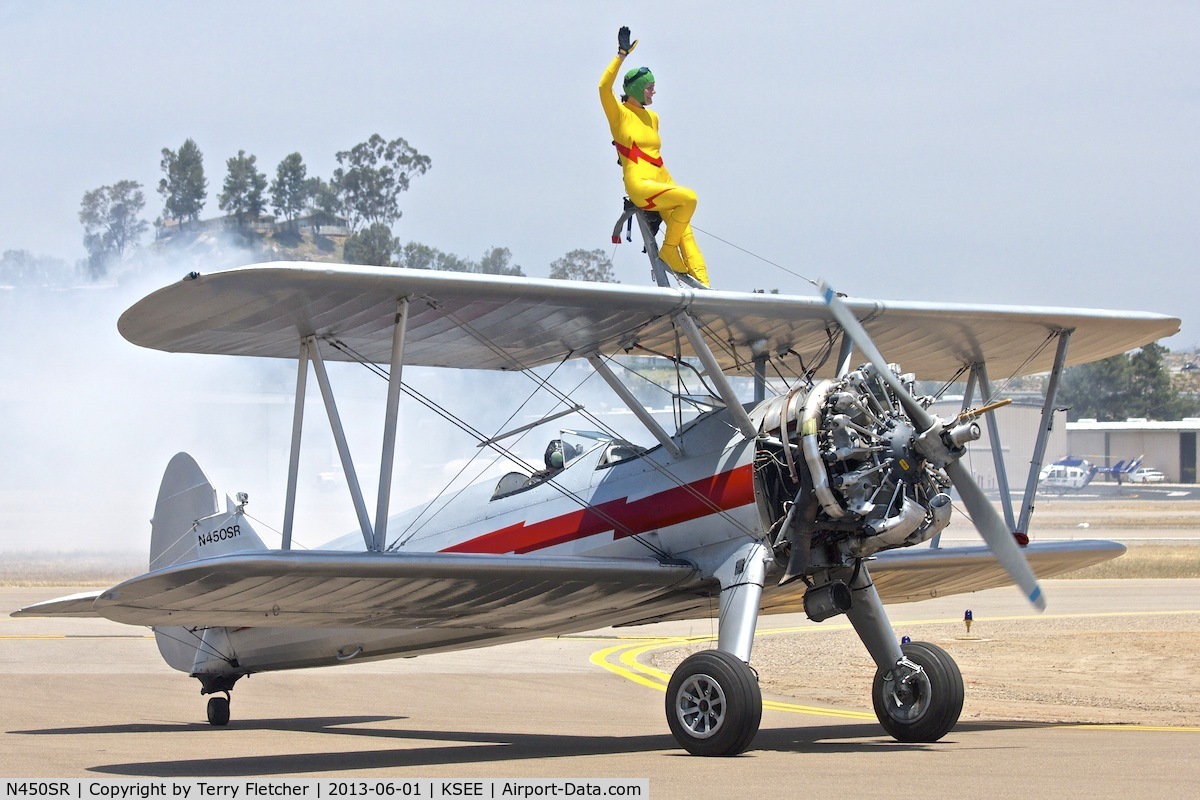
{"x":632,"y":648}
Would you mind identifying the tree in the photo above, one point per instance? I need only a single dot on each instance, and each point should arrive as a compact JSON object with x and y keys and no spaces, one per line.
{"x":1151,"y":384}
{"x":323,"y":203}
{"x":584,"y":265}
{"x":415,"y":255}
{"x":185,"y":188}
{"x":242,"y":193}
{"x":1122,"y":387}
{"x":371,"y":176}
{"x":496,"y":262}
{"x":374,"y":246}
{"x":291,"y":189}
{"x":110,"y":221}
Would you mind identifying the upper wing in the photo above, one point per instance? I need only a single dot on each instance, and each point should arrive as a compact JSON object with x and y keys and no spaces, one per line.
{"x":470,"y":592}
{"x":491,"y":322}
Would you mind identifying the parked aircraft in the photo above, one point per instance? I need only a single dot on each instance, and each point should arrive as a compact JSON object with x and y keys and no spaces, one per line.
{"x":1068,"y":473}
{"x":813,"y":500}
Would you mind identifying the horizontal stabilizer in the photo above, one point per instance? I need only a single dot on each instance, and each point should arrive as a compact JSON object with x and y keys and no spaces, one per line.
{"x":73,"y":605}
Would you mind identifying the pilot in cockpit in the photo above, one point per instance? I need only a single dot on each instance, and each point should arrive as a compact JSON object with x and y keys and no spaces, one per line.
{"x":557,"y":455}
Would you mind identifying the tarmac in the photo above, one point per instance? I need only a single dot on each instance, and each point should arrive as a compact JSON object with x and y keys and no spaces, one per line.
{"x":92,"y":699}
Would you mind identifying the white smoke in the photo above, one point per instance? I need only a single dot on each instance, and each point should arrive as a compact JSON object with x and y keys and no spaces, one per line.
{"x":90,"y":421}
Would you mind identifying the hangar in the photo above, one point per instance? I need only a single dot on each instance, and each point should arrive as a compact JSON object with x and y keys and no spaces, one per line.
{"x":1169,"y":446}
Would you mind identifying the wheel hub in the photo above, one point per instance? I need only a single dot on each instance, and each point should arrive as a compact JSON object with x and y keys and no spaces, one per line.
{"x":700,"y":706}
{"x":907,"y":691}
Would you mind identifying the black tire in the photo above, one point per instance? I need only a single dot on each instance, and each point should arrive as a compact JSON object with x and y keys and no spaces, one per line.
{"x":929,"y":706}
{"x":714,"y":705}
{"x":218,"y":711}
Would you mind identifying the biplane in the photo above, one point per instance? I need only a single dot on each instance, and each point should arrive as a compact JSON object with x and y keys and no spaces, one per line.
{"x":824,"y":493}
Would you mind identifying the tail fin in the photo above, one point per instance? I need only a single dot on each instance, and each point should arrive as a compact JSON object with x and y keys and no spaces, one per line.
{"x":189,"y":524}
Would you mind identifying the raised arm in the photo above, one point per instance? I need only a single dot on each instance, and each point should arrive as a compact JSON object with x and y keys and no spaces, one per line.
{"x":612,"y":107}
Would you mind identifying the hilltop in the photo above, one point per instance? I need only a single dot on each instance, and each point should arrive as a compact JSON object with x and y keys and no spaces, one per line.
{"x":253,"y":245}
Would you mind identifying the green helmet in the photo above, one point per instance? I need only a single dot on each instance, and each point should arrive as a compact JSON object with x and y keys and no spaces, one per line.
{"x":636,"y":81}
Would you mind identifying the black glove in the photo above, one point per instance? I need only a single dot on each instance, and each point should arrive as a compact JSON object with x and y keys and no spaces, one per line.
{"x":623,"y":45}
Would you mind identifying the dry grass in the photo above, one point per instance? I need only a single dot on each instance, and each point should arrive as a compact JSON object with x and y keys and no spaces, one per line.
{"x":69,"y":569}
{"x":1147,"y":561}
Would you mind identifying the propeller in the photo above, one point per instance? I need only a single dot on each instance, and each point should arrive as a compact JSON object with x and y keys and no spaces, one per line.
{"x":991,"y":527}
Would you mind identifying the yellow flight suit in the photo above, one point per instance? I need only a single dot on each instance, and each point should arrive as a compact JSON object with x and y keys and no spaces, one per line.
{"x":647,"y":182}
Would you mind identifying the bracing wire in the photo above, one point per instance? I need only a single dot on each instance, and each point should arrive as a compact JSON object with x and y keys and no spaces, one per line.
{"x":599,"y":423}
{"x":755,"y":255}
{"x":503,"y":451}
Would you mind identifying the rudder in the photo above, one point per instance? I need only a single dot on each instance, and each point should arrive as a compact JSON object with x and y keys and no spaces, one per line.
{"x":189,"y":524}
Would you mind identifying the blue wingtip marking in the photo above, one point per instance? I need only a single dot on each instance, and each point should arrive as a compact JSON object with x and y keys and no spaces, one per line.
{"x":1035,"y":594}
{"x":828,"y":294}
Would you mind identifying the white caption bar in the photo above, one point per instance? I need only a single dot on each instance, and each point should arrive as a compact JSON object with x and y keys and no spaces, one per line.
{"x":313,"y":789}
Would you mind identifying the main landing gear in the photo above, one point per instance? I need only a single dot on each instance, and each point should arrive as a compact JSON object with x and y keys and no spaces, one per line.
{"x":714,"y":705}
{"x":218,"y":710}
{"x":920,"y":698}
{"x":918,"y":689}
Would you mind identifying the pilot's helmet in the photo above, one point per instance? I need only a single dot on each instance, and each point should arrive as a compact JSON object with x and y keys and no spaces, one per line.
{"x":635,"y":83}
{"x":554,"y":455}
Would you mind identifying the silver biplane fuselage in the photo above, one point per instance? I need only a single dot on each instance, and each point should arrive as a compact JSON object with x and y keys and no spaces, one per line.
{"x":762,"y":508}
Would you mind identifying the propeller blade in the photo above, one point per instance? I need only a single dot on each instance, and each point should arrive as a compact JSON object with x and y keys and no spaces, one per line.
{"x":997,"y":535}
{"x":989,"y":524}
{"x":862,"y":340}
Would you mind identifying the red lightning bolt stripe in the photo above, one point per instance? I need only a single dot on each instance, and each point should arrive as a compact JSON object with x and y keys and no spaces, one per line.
{"x":650,"y":200}
{"x":635,"y":154}
{"x":726,"y":490}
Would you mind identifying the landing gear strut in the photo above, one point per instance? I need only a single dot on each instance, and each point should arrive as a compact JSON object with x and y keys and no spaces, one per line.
{"x":714,"y":705}
{"x":217,"y":685}
{"x":918,"y":689}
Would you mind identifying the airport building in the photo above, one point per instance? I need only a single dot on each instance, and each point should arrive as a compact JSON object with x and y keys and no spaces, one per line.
{"x":1166,"y":446}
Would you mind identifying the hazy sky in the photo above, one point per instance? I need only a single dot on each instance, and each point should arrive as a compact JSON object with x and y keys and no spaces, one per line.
{"x":990,"y":152}
{"x":1023,"y":153}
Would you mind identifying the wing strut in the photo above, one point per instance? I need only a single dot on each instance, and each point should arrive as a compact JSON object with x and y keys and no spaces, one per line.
{"x":289,"y":507}
{"x":979,"y":373}
{"x":1039,"y":450}
{"x":700,"y":348}
{"x":339,"y":437}
{"x":388,"y":458}
{"x":669,"y":444}
{"x":375,"y":536}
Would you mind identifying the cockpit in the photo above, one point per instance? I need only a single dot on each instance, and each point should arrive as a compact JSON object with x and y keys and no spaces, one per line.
{"x":570,"y":447}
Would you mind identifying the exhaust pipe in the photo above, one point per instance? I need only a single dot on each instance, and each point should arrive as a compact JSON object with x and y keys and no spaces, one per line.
{"x":939,"y":509}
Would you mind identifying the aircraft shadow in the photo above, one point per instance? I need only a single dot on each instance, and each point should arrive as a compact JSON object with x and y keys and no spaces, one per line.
{"x":472,"y":747}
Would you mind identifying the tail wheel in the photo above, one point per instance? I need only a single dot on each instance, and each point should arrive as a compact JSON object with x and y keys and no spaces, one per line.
{"x":714,"y":705}
{"x":920,"y":707}
{"x":218,"y":710}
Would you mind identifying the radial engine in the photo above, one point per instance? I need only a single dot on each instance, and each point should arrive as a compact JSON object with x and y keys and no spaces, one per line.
{"x":844,"y":473}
